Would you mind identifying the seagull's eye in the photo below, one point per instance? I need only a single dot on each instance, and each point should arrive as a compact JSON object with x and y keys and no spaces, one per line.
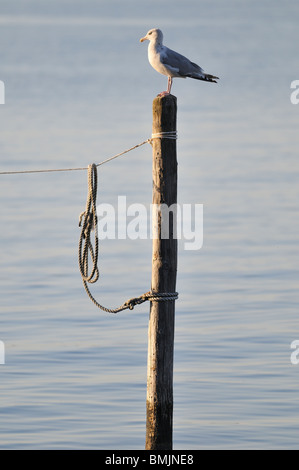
{"x":150,"y":32}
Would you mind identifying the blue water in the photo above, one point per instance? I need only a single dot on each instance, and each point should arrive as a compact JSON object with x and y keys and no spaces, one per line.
{"x":78,"y":89}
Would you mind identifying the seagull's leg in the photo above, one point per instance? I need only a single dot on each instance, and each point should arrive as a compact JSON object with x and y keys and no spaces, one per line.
{"x":163,"y":93}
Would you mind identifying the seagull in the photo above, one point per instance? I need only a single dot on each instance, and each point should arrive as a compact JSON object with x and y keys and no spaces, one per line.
{"x":172,"y":63}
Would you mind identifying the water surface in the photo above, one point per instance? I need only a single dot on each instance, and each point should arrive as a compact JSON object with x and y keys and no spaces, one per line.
{"x":78,"y":90}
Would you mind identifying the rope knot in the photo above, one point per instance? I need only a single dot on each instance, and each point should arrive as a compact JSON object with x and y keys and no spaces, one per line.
{"x":88,"y":223}
{"x":135,"y":301}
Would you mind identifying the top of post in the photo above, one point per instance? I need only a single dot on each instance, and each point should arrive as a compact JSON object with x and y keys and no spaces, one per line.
{"x":165,"y":98}
{"x":164,"y":113}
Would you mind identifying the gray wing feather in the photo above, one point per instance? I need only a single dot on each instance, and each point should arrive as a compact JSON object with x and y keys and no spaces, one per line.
{"x":183,"y":66}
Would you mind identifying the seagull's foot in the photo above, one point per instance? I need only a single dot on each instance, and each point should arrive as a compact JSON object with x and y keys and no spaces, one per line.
{"x":164,"y":93}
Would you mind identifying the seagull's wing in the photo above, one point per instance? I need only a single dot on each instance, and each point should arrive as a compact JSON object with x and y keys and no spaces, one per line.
{"x":179,"y":63}
{"x":183,"y":67}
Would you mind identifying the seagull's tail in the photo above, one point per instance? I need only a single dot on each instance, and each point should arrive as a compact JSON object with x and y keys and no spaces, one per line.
{"x":205,"y":77}
{"x":198,"y":73}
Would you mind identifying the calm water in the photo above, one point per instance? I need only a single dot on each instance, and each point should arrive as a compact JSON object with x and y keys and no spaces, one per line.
{"x":78,"y":90}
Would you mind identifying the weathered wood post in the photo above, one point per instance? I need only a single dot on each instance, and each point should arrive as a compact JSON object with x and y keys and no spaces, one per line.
{"x":159,"y":403}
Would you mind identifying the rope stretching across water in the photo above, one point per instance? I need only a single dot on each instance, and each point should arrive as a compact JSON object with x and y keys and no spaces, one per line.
{"x":164,"y":135}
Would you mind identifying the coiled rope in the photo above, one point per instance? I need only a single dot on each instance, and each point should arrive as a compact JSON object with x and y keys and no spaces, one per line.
{"x":88,"y":221}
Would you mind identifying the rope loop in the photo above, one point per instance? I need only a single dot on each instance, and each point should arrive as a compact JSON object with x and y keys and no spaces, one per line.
{"x":88,"y":221}
{"x":89,"y":224}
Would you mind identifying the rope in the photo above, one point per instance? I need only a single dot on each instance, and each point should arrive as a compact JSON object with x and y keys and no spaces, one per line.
{"x":76,"y":169}
{"x":88,"y":221}
{"x":164,"y":135}
{"x":89,"y":217}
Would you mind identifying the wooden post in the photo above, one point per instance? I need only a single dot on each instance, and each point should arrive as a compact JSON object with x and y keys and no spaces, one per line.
{"x":159,"y":403}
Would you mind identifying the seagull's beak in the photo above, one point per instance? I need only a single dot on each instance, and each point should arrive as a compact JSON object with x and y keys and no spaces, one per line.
{"x":143,"y":39}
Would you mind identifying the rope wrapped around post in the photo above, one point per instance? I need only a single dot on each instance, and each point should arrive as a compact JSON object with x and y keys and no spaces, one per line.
{"x":89,"y":223}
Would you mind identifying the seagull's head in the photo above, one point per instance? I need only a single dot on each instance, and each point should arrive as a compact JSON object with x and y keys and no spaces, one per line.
{"x":154,"y":35}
